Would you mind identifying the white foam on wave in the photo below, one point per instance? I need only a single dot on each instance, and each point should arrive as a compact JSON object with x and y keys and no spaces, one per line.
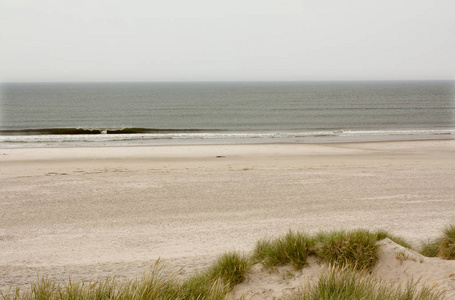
{"x":143,"y":138}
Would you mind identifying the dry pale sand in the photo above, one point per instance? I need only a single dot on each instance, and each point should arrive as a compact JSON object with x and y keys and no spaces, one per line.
{"x":95,"y":212}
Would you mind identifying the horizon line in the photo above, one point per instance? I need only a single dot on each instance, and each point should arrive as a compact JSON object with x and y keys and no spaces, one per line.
{"x":237,"y":81}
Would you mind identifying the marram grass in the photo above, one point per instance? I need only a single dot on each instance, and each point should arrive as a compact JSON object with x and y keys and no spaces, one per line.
{"x":430,"y":248}
{"x":347,"y":284}
{"x":154,"y":285}
{"x":443,"y":246}
{"x":229,"y":270}
{"x":157,"y":284}
{"x":348,"y":252}
{"x":357,"y":249}
{"x":294,"y":248}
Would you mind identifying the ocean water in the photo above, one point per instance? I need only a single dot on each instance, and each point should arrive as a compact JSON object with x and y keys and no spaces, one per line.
{"x":74,"y":114}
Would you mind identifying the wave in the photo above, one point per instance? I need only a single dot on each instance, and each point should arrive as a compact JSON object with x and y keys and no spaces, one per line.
{"x":138,"y":136}
{"x":85,"y":131}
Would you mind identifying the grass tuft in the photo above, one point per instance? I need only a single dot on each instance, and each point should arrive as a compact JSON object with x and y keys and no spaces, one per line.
{"x":156,"y":284}
{"x":352,"y":251}
{"x":229,"y":269}
{"x":347,"y":284}
{"x":430,"y":248}
{"x":447,"y":247}
{"x":443,"y":246}
{"x":201,"y":286}
{"x":294,"y":248}
{"x":357,"y":249}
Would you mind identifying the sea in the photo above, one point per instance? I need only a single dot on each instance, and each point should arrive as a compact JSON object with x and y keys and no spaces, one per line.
{"x":174,"y":113}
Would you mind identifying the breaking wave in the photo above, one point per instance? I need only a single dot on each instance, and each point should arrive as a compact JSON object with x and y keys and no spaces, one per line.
{"x":74,"y":131}
{"x":145,"y":136}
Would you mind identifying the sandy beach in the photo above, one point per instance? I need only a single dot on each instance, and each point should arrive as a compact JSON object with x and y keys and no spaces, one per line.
{"x":112,"y":211}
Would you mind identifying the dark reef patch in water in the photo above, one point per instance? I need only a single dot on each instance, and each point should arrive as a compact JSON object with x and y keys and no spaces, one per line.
{"x":71,"y":131}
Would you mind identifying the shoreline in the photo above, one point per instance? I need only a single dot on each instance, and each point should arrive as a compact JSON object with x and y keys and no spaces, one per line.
{"x":100,"y":140}
{"x":100,"y":211}
{"x":328,"y":143}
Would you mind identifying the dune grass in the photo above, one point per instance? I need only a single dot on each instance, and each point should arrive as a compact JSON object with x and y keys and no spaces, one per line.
{"x":294,"y":248}
{"x":348,"y":284}
{"x":357,"y":249}
{"x":443,"y":246}
{"x":229,"y":270}
{"x":348,"y":252}
{"x":155,"y":284}
{"x":447,"y":247}
{"x":213,"y":284}
{"x":430,"y":248}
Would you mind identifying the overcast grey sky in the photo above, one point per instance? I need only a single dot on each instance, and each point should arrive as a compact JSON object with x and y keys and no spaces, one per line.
{"x":211,"y":40}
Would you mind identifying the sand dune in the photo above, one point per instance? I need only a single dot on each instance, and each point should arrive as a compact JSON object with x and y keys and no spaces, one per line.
{"x":396,"y":265}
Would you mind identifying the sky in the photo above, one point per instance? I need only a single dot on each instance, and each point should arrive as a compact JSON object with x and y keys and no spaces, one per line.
{"x":229,"y":40}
